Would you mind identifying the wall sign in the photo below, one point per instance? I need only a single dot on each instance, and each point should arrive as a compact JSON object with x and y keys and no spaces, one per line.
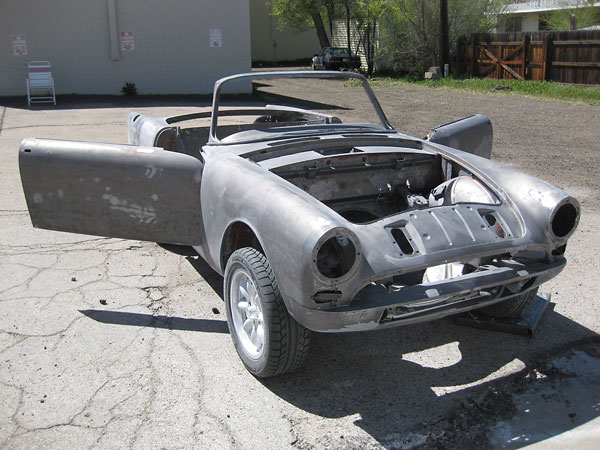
{"x":19,"y":44}
{"x":127,"y":41}
{"x":216,"y":37}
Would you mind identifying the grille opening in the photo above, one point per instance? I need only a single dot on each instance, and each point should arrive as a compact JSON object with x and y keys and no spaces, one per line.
{"x":564,"y":220}
{"x":405,"y":279}
{"x":528,"y":284}
{"x":327,"y":296}
{"x":414,"y":309}
{"x":402,"y":241}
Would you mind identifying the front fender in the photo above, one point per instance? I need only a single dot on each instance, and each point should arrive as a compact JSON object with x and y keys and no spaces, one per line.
{"x":536,"y":201}
{"x":287,"y":222}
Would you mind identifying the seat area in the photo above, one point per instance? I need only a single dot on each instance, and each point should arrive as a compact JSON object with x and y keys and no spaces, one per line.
{"x":40,"y":84}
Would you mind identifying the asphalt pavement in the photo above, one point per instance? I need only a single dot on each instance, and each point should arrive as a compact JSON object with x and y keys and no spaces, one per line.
{"x":111,"y":343}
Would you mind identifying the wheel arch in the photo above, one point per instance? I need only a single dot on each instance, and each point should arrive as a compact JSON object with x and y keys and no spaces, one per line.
{"x":238,"y":235}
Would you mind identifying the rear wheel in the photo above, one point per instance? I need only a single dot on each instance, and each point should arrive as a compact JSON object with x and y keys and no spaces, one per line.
{"x":513,"y":307}
{"x":268,"y":340}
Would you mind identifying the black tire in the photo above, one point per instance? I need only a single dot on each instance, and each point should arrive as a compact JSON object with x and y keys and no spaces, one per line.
{"x":513,"y":307}
{"x":285,"y":342}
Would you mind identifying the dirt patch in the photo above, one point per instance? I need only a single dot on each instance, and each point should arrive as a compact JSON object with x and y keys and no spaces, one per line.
{"x":553,"y":140}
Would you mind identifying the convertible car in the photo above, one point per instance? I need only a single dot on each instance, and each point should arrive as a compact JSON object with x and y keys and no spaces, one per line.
{"x":317,"y":221}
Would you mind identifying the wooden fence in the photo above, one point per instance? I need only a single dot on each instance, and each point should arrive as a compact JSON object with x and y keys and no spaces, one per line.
{"x":563,"y":56}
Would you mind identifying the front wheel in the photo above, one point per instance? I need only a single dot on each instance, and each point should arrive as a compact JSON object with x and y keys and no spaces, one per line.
{"x":267,"y":339}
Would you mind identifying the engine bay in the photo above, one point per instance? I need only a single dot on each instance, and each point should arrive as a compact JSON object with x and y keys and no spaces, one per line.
{"x":363,"y":186}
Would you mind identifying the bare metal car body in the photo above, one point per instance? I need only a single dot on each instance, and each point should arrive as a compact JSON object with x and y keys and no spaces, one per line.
{"x":355,"y":220}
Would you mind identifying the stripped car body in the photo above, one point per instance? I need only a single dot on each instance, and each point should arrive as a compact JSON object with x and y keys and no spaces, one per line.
{"x":363,"y":227}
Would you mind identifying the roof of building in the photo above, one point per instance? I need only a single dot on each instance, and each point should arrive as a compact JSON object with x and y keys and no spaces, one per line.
{"x":537,"y":6}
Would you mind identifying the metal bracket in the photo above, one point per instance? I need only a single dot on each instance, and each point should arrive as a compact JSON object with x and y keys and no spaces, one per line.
{"x":311,"y":172}
{"x":523,"y":325}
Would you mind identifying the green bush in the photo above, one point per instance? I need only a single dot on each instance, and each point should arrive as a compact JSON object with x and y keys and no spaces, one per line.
{"x":129,"y":89}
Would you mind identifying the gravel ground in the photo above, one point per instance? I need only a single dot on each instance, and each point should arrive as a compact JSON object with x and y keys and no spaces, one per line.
{"x":109,"y":343}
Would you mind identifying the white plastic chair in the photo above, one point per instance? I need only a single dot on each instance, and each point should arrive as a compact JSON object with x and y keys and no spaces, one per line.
{"x":40,"y":84}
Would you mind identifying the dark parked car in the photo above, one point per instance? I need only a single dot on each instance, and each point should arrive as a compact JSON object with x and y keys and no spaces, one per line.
{"x":334,"y":58}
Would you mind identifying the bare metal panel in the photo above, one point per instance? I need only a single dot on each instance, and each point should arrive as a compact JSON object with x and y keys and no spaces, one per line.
{"x":112,"y":190}
{"x":473,"y":134}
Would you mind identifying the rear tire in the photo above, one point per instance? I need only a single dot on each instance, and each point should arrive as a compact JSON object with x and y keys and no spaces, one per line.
{"x":267,"y":339}
{"x":513,"y":307}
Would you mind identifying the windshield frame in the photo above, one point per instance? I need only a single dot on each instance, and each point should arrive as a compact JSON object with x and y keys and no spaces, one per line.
{"x":323,"y":74}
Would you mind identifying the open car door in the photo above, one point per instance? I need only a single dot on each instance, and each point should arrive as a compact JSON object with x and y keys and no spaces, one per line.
{"x":123,"y":191}
{"x":473,"y":134}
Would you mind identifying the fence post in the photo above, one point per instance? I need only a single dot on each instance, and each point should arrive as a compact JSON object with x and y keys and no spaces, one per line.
{"x":473,"y":56}
{"x":526,"y":39}
{"x":460,"y":55}
{"x":547,"y":57}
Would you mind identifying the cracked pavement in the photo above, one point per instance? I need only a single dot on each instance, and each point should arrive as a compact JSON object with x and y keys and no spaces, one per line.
{"x":111,"y":343}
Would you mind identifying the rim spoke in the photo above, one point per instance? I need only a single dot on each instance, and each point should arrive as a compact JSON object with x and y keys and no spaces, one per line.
{"x":260,"y":334}
{"x":243,"y":306}
{"x":248,"y":326}
{"x":252,"y":294}
{"x":244,"y":293}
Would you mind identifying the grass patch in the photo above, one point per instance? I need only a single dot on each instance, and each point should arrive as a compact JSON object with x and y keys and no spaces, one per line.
{"x":548,"y":90}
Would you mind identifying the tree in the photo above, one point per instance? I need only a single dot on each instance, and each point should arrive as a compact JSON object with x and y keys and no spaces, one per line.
{"x":300,"y":14}
{"x":348,"y":8}
{"x":411,"y":30}
{"x":367,"y":14}
{"x":582,"y":14}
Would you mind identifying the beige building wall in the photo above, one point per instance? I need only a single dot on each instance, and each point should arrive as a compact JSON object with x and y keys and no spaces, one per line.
{"x":269,"y":43}
{"x":171,"y":54}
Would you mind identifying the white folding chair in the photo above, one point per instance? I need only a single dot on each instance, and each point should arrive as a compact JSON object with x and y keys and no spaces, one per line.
{"x":40,"y":84}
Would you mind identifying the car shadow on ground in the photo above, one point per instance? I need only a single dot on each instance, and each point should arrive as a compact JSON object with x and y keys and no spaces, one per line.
{"x":422,"y":385}
{"x":152,"y":321}
{"x":214,"y":280}
{"x":399,"y":400}
{"x":279,"y":99}
{"x":444,"y":401}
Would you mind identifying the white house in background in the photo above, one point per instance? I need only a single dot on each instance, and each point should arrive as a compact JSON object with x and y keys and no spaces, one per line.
{"x":529,"y":15}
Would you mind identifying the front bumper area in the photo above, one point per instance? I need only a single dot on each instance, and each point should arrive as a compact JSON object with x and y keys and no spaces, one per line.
{"x":374,"y":307}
